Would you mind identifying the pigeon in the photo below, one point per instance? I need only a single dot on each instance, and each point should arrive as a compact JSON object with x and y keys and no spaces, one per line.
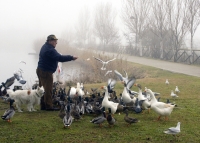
{"x":104,"y":62}
{"x":174,"y":130}
{"x":8,"y":82}
{"x":19,"y":77}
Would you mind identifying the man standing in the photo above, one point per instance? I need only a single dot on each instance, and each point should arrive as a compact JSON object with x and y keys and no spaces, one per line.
{"x":47,"y":65}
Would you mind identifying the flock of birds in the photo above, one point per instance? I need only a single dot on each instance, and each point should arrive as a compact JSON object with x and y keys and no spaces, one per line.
{"x":77,"y":102}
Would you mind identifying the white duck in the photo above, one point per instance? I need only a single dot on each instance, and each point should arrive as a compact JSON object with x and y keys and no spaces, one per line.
{"x":106,"y":103}
{"x":160,"y":108}
{"x":104,"y":62}
{"x":145,"y":104}
{"x":72,"y":92}
{"x":125,"y":94}
{"x":79,"y":90}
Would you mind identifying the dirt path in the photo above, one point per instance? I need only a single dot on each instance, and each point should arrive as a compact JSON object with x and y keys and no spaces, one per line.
{"x":165,"y":65}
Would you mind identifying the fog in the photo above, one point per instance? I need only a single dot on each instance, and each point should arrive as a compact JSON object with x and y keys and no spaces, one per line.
{"x":24,"y":21}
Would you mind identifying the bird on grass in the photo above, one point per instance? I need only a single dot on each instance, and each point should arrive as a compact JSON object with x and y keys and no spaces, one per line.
{"x":9,"y":113}
{"x":177,"y":90}
{"x":104,"y":62}
{"x":128,"y":119}
{"x":167,"y":82}
{"x":173,"y":130}
{"x":68,"y":119}
{"x":173,"y":94}
{"x":100,"y":119}
{"x":110,"y":119}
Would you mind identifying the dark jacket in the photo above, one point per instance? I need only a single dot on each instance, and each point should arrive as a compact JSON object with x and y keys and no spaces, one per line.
{"x":49,"y":58}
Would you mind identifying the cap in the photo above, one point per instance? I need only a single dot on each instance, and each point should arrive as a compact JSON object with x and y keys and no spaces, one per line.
{"x":51,"y":37}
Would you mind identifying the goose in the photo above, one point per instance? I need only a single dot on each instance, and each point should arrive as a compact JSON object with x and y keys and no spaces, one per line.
{"x":100,"y":119}
{"x":177,"y":90}
{"x":68,"y":119}
{"x":106,"y":103}
{"x":110,"y":119}
{"x":9,"y":113}
{"x":119,"y":75}
{"x":104,"y":62}
{"x":128,"y":119}
{"x":173,"y":130}
{"x":145,"y":102}
{"x":125,"y":94}
{"x":161,"y":108}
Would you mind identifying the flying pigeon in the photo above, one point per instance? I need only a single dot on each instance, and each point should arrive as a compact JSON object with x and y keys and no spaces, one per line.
{"x":19,"y":77}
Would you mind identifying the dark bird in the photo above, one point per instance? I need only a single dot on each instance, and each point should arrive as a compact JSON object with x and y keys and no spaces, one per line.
{"x":129,"y":120}
{"x":8,"y":82}
{"x":19,"y":77}
{"x":9,"y":113}
{"x":68,"y":119}
{"x":75,"y":114}
{"x":62,"y":111}
{"x":110,"y":119}
{"x":100,"y":119}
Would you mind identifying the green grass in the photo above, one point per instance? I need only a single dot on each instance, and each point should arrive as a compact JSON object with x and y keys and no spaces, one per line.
{"x":43,"y":126}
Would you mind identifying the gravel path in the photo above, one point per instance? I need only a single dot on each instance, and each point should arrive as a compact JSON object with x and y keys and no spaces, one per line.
{"x":165,"y":65}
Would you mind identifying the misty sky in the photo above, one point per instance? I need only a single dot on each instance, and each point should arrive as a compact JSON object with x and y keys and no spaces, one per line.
{"x":23,"y":21}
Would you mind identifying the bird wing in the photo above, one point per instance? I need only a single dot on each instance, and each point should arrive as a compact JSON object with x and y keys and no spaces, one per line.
{"x":119,"y":75}
{"x":130,"y":82}
{"x":10,"y":81}
{"x":99,"y":59}
{"x":126,"y":74}
{"x":111,"y":60}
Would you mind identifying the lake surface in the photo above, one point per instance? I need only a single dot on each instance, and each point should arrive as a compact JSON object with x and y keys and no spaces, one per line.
{"x":10,"y":62}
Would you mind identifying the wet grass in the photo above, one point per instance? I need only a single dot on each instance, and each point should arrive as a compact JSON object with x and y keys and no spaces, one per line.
{"x":43,"y":126}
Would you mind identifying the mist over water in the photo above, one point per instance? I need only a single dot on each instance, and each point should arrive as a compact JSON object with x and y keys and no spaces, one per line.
{"x":10,"y":62}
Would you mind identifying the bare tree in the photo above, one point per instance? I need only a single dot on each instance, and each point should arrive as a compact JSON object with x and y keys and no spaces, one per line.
{"x":193,"y":18}
{"x":135,"y":16}
{"x":178,"y":24}
{"x":83,"y":27}
{"x":104,"y":24}
{"x":158,"y":22}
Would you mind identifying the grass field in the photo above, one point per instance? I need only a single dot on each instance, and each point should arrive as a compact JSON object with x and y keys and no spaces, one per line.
{"x":43,"y":126}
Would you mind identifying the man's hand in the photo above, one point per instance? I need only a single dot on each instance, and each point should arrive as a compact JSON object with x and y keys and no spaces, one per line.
{"x":74,"y":58}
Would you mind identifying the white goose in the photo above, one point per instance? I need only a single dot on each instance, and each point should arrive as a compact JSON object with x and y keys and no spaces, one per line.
{"x":106,"y":103}
{"x":160,"y":108}
{"x":72,"y":92}
{"x":125,"y":94}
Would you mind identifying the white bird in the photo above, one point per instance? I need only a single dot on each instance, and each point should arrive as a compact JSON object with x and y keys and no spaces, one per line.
{"x":22,"y":62}
{"x":119,"y":75}
{"x":108,"y":72}
{"x":174,"y":130}
{"x":167,"y":82}
{"x":88,"y":59}
{"x":173,"y":94}
{"x":104,"y":62}
{"x":177,"y":90}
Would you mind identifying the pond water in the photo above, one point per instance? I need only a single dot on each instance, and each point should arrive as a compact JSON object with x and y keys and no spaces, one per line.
{"x":10,"y":62}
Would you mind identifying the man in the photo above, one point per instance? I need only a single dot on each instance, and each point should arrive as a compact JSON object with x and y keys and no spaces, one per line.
{"x":47,"y":65}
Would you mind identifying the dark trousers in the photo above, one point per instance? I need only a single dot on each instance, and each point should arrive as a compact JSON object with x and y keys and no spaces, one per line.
{"x":46,"y":80}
